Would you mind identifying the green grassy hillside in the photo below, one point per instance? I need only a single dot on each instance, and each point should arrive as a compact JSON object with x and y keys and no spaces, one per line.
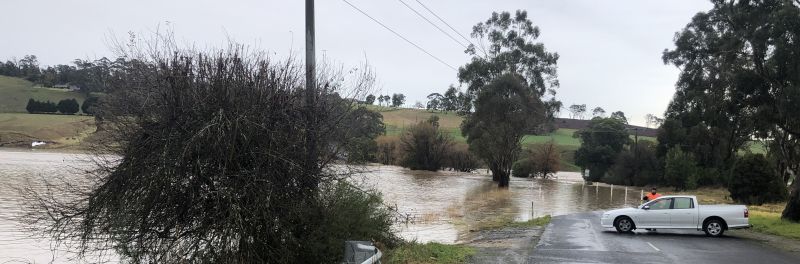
{"x":397,"y":119}
{"x":15,"y":92}
{"x":18,"y":128}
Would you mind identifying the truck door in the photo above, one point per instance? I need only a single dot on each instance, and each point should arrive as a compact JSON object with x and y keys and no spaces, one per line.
{"x":657,"y":215}
{"x":683,"y":213}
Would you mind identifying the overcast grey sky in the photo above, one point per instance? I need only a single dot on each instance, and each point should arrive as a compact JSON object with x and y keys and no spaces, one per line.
{"x":610,"y":50}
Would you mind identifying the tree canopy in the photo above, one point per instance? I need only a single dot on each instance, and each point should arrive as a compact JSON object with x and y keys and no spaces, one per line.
{"x":601,"y":141}
{"x":740,"y":76}
{"x":506,"y":44}
{"x":504,"y":110}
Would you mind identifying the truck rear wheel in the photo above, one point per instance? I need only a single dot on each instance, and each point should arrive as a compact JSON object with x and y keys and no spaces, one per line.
{"x":714,"y":228}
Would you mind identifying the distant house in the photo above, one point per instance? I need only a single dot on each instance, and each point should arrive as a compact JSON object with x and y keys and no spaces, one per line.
{"x":70,"y":87}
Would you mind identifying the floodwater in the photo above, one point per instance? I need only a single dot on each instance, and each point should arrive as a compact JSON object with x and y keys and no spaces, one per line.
{"x":438,"y":206}
{"x":444,"y":206}
{"x":17,"y":168}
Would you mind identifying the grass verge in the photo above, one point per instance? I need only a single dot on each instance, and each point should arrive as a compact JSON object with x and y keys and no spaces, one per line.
{"x":771,"y":223}
{"x":416,"y":253}
{"x":504,"y":222}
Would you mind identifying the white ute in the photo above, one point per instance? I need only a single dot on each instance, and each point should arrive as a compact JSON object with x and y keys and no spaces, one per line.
{"x":678,"y":212}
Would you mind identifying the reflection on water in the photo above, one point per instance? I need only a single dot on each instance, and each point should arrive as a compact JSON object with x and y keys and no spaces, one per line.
{"x":443,"y":205}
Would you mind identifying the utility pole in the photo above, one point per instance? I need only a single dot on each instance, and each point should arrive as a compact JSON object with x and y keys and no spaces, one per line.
{"x":636,"y":152}
{"x":311,"y":137}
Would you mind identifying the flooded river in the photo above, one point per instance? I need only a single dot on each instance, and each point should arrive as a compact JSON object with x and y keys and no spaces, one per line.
{"x":444,"y":206}
{"x":440,"y":206}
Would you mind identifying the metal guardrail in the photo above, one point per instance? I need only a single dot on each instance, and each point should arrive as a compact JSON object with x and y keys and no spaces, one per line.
{"x":361,"y":252}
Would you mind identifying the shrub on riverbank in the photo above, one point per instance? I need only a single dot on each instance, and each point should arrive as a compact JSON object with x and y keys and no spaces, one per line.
{"x":388,"y":150}
{"x":539,"y":160}
{"x":425,"y":146}
{"x":459,"y":158}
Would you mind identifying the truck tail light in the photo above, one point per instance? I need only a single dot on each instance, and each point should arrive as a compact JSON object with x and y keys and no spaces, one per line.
{"x":746,"y":213}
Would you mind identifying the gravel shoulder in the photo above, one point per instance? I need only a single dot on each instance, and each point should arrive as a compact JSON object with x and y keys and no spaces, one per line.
{"x":506,"y":245}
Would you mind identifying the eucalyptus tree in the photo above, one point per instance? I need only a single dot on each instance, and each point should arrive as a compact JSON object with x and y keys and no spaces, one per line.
{"x":740,"y":70}
{"x":598,"y":112}
{"x":508,"y":75}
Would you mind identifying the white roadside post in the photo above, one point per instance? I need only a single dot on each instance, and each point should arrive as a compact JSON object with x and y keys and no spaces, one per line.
{"x":612,"y":193}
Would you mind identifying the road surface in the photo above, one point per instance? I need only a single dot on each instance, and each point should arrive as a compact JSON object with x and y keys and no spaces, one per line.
{"x":579,"y":238}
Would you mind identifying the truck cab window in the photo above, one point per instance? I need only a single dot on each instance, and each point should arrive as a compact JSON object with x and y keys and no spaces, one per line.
{"x":683,"y":203}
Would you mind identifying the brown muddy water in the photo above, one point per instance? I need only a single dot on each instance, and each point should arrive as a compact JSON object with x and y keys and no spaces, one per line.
{"x":441,"y":206}
{"x":445,"y":206}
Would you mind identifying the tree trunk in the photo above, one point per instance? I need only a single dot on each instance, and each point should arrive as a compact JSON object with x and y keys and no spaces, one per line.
{"x":504,"y":179}
{"x":792,"y":210}
{"x":495,"y":172}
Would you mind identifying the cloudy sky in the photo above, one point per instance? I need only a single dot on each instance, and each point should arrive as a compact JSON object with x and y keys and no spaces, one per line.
{"x":610,"y":50}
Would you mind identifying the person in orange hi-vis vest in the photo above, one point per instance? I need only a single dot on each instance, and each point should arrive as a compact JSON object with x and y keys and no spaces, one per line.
{"x":652,"y":195}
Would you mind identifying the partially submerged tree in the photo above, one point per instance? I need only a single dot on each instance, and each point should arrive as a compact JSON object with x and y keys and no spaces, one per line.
{"x":507,"y":67}
{"x":210,"y":165}
{"x":504,"y":111}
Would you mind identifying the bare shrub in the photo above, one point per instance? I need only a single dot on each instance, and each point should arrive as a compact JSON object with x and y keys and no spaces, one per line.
{"x":459,"y":158}
{"x":208,"y":164}
{"x":388,"y":150}
{"x":540,"y":160}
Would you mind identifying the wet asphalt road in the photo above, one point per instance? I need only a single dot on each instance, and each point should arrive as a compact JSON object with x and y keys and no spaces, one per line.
{"x":579,"y":238}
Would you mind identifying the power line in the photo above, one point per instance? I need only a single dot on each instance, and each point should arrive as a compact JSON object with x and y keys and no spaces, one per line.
{"x":433,"y":24}
{"x":400,"y":36}
{"x":451,"y":27}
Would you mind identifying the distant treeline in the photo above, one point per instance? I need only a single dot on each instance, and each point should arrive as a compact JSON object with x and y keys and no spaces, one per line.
{"x":66,"y":106}
{"x":98,"y":75}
